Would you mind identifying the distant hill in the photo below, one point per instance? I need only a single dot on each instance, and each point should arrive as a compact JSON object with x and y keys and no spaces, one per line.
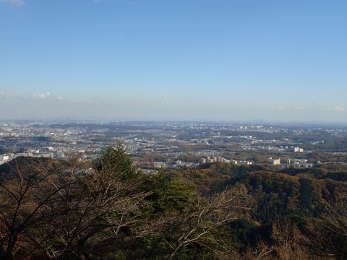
{"x":30,"y":166}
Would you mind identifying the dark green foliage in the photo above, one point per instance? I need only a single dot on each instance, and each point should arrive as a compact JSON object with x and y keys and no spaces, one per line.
{"x":337,"y":176}
{"x":168,"y":194}
{"x":317,"y":173}
{"x":247,"y":234}
{"x":114,"y":160}
{"x":306,"y":193}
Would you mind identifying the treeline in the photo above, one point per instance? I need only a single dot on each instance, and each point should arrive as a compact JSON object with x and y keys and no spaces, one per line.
{"x":108,"y":209}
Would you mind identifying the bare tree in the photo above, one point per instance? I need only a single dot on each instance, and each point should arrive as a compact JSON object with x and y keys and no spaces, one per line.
{"x":327,"y":237}
{"x":23,"y":199}
{"x":73,"y":212}
{"x":89,"y":215}
{"x":199,"y":224}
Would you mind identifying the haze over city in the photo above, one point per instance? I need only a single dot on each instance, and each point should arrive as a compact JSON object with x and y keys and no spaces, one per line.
{"x":173,"y":60}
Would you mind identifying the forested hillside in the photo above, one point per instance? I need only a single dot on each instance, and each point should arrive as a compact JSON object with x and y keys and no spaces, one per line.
{"x":108,"y":209}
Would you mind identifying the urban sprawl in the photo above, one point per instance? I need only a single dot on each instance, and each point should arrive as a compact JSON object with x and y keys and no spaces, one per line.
{"x":155,"y":145}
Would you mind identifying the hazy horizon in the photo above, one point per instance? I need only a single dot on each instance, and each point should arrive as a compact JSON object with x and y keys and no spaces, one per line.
{"x":174,"y":60}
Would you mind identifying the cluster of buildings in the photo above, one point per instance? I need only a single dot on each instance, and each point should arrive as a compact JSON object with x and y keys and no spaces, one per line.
{"x":298,"y":150}
{"x":291,"y":163}
{"x":220,"y":159}
{"x":188,"y":164}
{"x":170,"y":144}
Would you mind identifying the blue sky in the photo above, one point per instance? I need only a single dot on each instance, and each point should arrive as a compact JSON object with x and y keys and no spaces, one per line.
{"x":183,"y":59}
